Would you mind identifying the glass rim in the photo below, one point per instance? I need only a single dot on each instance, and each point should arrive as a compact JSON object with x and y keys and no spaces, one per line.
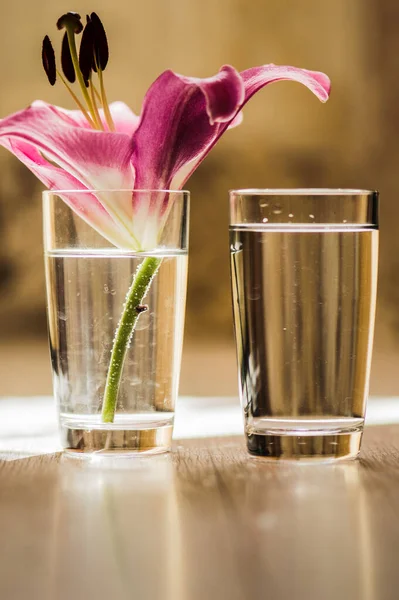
{"x":103,"y":190}
{"x":302,"y":192}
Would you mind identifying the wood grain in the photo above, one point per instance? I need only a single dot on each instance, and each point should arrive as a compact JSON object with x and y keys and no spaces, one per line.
{"x":205,"y":522}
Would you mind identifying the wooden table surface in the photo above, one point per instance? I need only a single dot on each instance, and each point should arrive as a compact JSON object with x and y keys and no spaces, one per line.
{"x":205,"y":522}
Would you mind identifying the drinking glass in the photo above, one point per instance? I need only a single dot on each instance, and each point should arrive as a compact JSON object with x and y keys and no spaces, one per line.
{"x":304,"y":280}
{"x":89,"y":290}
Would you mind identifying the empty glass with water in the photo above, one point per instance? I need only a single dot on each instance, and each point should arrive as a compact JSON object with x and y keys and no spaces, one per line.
{"x":304,"y":280}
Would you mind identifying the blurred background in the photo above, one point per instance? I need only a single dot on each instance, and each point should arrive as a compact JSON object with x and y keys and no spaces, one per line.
{"x":287,"y":139}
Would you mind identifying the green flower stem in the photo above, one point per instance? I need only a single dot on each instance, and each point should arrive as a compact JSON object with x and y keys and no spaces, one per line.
{"x":131,"y":312}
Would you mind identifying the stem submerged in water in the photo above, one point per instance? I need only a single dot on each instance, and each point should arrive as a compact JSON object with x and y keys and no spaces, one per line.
{"x":131,"y":312}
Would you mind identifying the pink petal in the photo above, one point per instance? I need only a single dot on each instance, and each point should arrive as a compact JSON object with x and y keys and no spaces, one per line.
{"x":85,"y":203}
{"x":223,"y":93}
{"x":254,"y":80}
{"x":257,"y":77}
{"x":176,"y":122}
{"x":98,"y":160}
{"x":73,"y":118}
{"x":238,"y":119}
{"x":125,"y":120}
{"x":183,"y":118}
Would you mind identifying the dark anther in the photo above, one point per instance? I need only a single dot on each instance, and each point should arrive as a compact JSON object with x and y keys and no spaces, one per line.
{"x":86,"y":52}
{"x":140,"y":308}
{"x":70,"y":20}
{"x":66,"y":60}
{"x":100,"y":42}
{"x":48,"y":60}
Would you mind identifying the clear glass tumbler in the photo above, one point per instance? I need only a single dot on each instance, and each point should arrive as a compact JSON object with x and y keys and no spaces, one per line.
{"x":304,"y":280}
{"x":130,"y":410}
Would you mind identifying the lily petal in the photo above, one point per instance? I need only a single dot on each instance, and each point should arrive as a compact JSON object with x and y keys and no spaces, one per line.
{"x":183,"y":118}
{"x":180,"y":117}
{"x":124,"y":119}
{"x":254,"y":80}
{"x":223,"y":93}
{"x":257,"y":77}
{"x":84,"y":203}
{"x":98,"y":160}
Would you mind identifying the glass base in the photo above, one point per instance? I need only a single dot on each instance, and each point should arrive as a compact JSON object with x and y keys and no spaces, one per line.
{"x":305,"y":448}
{"x":125,"y":437}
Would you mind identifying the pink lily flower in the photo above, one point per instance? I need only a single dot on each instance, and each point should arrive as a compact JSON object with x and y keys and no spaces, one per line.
{"x":182,"y":118}
{"x":102,"y":148}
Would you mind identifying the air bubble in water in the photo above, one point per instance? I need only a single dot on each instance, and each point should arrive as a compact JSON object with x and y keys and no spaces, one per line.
{"x":311,"y":216}
{"x":277,"y":210}
{"x":265,"y":220}
{"x":290,"y":215}
{"x":264,"y":204}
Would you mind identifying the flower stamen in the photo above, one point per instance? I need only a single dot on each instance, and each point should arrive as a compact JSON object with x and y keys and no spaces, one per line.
{"x":48,"y":60}
{"x":66,"y":60}
{"x":93,"y":99}
{"x":78,"y":102}
{"x":93,"y":57}
{"x":104,"y":101}
{"x":100,"y":61}
{"x":97,"y":93}
{"x":71,"y":22}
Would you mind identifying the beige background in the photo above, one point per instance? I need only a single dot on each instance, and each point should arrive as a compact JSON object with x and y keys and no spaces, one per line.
{"x":288,"y":139}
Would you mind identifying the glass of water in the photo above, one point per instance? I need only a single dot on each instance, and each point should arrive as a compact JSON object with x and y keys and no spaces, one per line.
{"x":304,"y":281}
{"x":91,"y":285}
